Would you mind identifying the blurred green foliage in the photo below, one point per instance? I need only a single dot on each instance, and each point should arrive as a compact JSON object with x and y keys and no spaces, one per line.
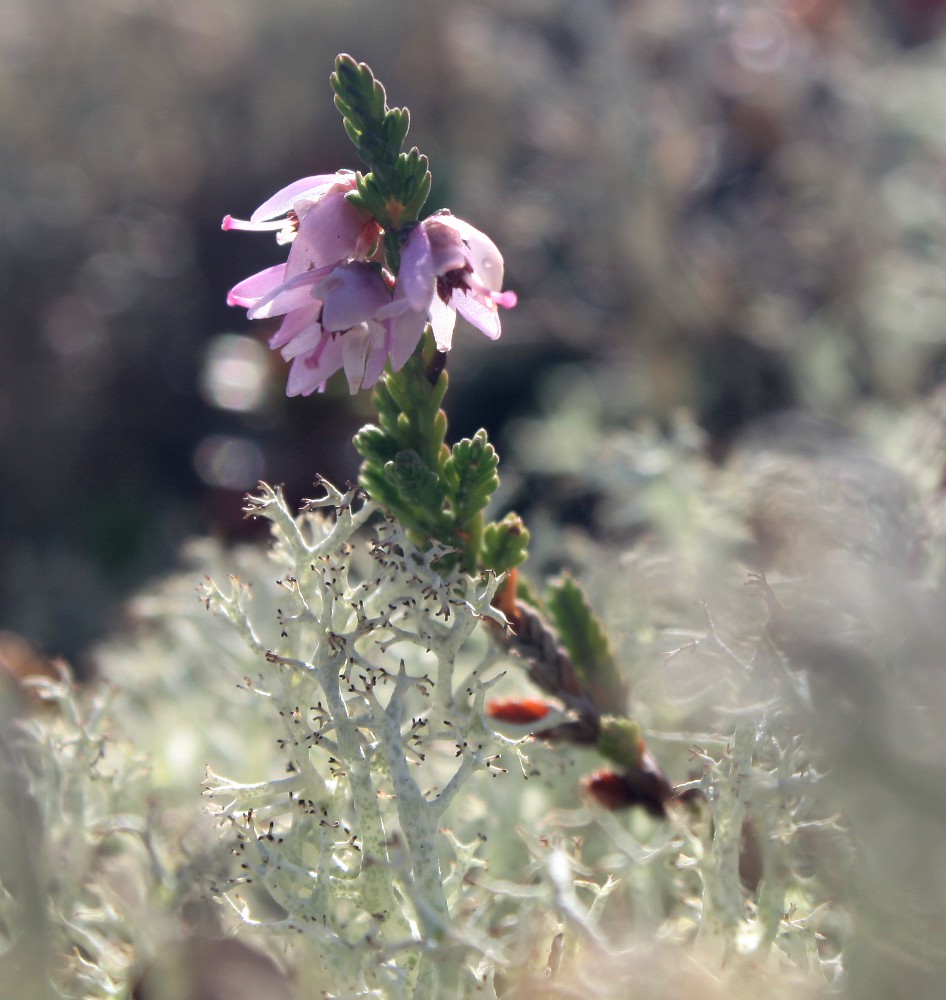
{"x":729,"y":208}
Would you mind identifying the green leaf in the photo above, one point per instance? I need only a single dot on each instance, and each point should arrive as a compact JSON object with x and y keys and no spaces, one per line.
{"x":396,"y":187}
{"x":584,"y":637}
{"x":620,"y":741}
{"x":418,"y":199}
{"x":374,"y":482}
{"x":418,"y":484}
{"x":435,"y":491}
{"x":505,"y":544}
{"x":353,"y":133}
{"x":374,"y":445}
{"x":403,"y":126}
{"x":470,"y":475}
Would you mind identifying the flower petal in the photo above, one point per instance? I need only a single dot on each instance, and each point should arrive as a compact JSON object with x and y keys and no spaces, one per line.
{"x":250,"y":290}
{"x":352,"y":293}
{"x":355,"y":345}
{"x":294,"y":324}
{"x":483,"y":255}
{"x":296,"y":293}
{"x":404,"y":333}
{"x":311,"y":371}
{"x":484,"y":317}
{"x":416,"y":275}
{"x":442,"y":321}
{"x":446,"y":245}
{"x":308,"y":189}
{"x":377,"y":356}
{"x":304,"y":342}
{"x":478,"y":250}
{"x":329,"y":232}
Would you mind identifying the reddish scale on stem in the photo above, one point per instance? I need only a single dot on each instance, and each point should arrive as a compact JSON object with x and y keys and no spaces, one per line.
{"x":643,"y":786}
{"x":505,"y":600}
{"x":608,"y":789}
{"x":517,"y":710}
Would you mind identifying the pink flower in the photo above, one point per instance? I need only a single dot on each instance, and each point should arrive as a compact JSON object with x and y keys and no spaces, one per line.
{"x":448,"y":267}
{"x":335,"y":317}
{"x":326,"y":293}
{"x":337,"y":308}
{"x":313,"y":215}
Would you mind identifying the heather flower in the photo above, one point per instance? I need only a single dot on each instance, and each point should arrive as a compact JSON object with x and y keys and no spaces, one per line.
{"x":324,"y":228}
{"x":448,"y":267}
{"x":327,"y":294}
{"x":335,"y":317}
{"x":337,"y":309}
{"x":314,"y":215}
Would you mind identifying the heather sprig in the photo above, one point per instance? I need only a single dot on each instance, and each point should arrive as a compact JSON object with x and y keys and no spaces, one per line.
{"x":370,"y":286}
{"x":364,"y":278}
{"x":434,"y":490}
{"x":403,"y":282}
{"x":396,"y":188}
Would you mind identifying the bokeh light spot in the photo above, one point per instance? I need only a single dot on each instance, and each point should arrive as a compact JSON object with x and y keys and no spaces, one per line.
{"x":229,"y":462}
{"x":234,"y":375}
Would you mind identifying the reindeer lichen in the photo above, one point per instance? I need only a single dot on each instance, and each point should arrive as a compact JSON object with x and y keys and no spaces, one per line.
{"x":379,"y":732}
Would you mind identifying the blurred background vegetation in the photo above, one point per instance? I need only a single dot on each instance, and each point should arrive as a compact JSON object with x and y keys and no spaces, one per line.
{"x":733,"y":209}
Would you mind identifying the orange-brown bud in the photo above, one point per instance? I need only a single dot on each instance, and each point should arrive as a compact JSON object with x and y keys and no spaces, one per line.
{"x":517,"y":710}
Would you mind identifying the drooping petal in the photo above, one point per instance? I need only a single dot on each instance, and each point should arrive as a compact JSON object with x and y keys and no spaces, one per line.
{"x":378,"y":351}
{"x":480,"y":251}
{"x":249,"y":291}
{"x":446,"y":245}
{"x":310,"y":372}
{"x":294,"y":324}
{"x":305,"y":341}
{"x":484,"y":317}
{"x":352,"y":293}
{"x":416,"y":274}
{"x":296,"y":293}
{"x":308,"y":189}
{"x":355,"y":346}
{"x":442,"y":321}
{"x":330,"y":232}
{"x":405,"y":329}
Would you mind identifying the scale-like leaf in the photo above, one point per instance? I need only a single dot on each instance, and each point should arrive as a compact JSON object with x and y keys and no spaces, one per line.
{"x":505,"y":544}
{"x":584,"y":637}
{"x":419,"y":486}
{"x":470,"y":475}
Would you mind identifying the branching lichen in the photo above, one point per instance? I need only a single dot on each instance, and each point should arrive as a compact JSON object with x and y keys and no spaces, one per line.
{"x":378,"y":733}
{"x":78,"y":863}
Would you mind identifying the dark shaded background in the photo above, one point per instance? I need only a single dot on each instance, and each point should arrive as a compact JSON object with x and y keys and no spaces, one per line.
{"x":733,"y":208}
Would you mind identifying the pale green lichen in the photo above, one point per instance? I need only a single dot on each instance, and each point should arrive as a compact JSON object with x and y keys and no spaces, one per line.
{"x":397,"y":866}
{"x":379,"y":733}
{"x":78,"y":864}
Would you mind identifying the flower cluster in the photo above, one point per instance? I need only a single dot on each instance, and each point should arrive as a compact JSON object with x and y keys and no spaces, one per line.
{"x":340,"y":307}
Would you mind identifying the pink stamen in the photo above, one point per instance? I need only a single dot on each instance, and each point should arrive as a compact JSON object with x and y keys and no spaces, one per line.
{"x":230,"y":223}
{"x":507,"y":299}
